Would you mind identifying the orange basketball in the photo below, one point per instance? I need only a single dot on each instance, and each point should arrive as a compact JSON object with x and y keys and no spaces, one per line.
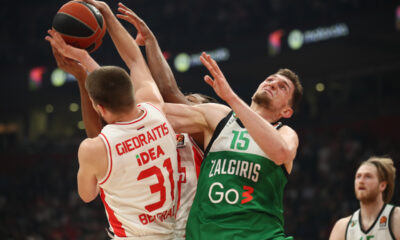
{"x":80,"y":25}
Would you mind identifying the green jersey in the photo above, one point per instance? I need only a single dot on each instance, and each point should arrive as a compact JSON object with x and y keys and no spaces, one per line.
{"x":240,"y":191}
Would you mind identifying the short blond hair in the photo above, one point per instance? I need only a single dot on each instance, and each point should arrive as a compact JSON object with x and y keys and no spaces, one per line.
{"x":386,"y":173}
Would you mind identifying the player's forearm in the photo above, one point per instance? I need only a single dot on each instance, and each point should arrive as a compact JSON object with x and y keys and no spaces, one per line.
{"x":162,"y":73}
{"x":89,"y":115}
{"x":265,"y":135}
{"x":123,"y":41}
{"x":88,"y":62}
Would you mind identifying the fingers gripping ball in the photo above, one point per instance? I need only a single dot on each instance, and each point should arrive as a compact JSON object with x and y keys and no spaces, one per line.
{"x":80,"y":25}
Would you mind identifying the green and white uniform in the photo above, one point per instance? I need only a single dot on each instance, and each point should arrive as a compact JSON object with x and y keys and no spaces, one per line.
{"x":379,"y":230}
{"x":240,"y":191}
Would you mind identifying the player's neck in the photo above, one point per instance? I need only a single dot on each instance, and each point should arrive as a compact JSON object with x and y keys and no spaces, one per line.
{"x":370,"y":210}
{"x":128,"y":116}
{"x":267,"y":114}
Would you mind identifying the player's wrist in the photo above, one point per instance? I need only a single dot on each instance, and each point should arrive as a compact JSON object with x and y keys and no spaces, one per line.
{"x":231,"y":98}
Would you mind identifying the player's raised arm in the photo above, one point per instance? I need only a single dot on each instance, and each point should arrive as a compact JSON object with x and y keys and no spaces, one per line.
{"x":280,"y":146}
{"x":201,"y":118}
{"x":145,"y":88}
{"x":89,"y":115}
{"x":156,"y":61}
{"x":71,"y":52}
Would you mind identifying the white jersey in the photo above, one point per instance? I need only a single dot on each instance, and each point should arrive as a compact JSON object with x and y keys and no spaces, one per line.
{"x":190,"y":157}
{"x":139,"y":189}
{"x":380,"y":229}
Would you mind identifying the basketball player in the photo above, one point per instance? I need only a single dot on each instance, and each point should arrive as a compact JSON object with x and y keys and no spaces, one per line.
{"x":376,"y":218}
{"x":248,"y":158}
{"x":190,"y":155}
{"x":133,"y":162}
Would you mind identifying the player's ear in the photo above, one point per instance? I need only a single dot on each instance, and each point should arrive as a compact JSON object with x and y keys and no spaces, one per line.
{"x":382,"y":186}
{"x":101,"y":109}
{"x":287,"y":112}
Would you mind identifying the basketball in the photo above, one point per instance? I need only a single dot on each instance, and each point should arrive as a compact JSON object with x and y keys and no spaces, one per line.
{"x":80,"y":25}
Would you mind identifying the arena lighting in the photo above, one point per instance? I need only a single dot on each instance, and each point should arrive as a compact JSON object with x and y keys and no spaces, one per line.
{"x":73,"y":107}
{"x":184,"y":61}
{"x":58,"y":77}
{"x":320,"y":87}
{"x":8,"y":127}
{"x":297,"y":38}
{"x":49,"y":108}
{"x":36,"y":77}
{"x":274,"y":42}
{"x":398,"y":18}
{"x":81,"y":125}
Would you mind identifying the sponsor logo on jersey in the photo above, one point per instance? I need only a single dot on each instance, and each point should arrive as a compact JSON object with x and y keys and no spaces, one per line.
{"x":353,"y":223}
{"x":241,"y":168}
{"x":180,"y":141}
{"x":383,"y":221}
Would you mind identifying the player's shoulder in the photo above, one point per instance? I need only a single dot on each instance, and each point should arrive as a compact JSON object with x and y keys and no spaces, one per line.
{"x":286,"y":128}
{"x":343,"y":221}
{"x":339,"y":229}
{"x":289,"y":132}
{"x":395,"y":221}
{"x":396,"y":214}
{"x":91,"y":147}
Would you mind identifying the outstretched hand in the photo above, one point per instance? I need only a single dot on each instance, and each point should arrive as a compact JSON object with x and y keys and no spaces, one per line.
{"x":128,"y":15}
{"x":100,"y":5}
{"x":69,"y":65}
{"x":58,"y":43}
{"x":219,"y":83}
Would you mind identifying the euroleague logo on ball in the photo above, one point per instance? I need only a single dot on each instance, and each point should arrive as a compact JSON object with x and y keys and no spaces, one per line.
{"x":80,"y":25}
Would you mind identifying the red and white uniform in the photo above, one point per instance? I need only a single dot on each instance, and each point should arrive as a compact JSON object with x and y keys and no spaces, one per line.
{"x":140,"y":188}
{"x":190,"y":157}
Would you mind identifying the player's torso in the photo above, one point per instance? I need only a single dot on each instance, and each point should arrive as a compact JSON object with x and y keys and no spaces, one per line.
{"x":380,"y":229}
{"x":139,"y":189}
{"x":240,"y":190}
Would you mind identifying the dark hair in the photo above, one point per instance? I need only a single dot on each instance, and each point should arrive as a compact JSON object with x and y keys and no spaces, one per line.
{"x":298,"y":88}
{"x":111,"y":87}
{"x":206,"y":98}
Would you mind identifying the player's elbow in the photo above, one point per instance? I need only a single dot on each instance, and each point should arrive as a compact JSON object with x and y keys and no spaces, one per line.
{"x":283,"y":155}
{"x":86,"y":195}
{"x":87,"y":198}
